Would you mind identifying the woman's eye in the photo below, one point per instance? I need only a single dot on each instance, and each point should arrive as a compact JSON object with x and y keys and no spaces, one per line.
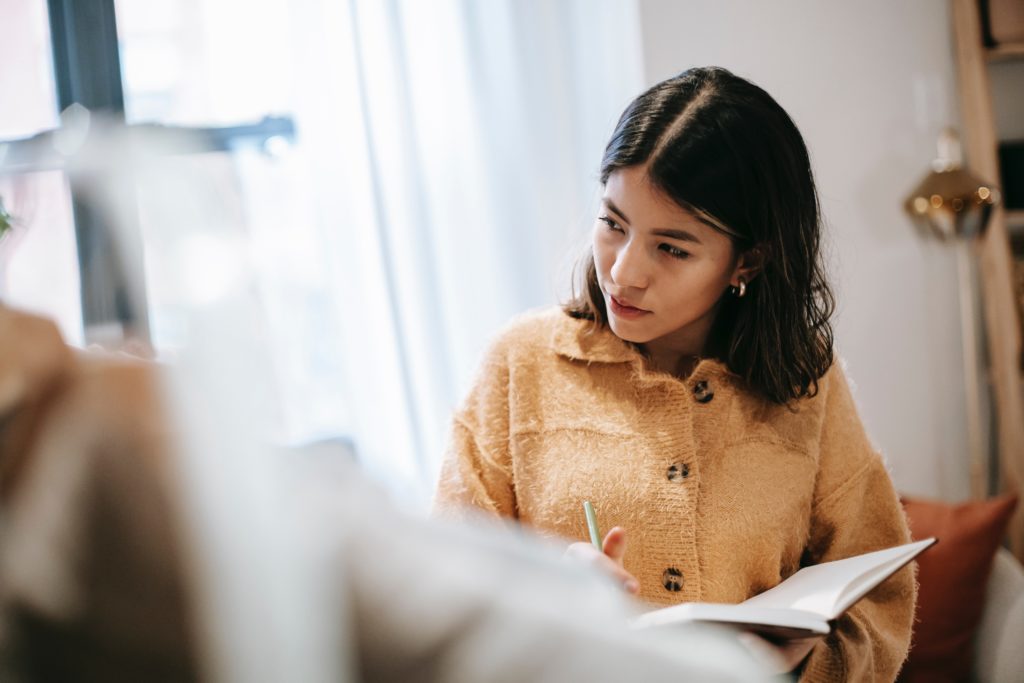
{"x":610,"y":222}
{"x":674,"y":252}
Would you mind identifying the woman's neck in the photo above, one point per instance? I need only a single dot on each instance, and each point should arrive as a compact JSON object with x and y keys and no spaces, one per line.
{"x":679,"y":352}
{"x":677,"y":362}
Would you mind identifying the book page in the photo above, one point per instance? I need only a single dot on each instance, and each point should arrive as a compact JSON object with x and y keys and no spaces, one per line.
{"x":829,"y":588}
{"x":802,"y":605}
{"x":778,"y":623}
{"x":813,"y":589}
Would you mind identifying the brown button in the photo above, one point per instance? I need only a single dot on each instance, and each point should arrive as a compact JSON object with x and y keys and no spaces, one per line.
{"x":702,"y":392}
{"x":678,"y":471}
{"x":672,"y":579}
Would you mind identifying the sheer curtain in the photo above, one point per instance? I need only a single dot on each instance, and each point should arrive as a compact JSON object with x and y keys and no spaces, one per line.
{"x":442,"y":180}
{"x":448,"y":154}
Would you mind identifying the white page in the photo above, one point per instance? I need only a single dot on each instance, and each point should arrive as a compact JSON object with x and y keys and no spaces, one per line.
{"x":752,"y":618}
{"x":820,"y":588}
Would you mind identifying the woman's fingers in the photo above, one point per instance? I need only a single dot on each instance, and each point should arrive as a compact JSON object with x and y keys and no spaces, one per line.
{"x":609,"y":566}
{"x":614,"y":544}
{"x":588,"y":554}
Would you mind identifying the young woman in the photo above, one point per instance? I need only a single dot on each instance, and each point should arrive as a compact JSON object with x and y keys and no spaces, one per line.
{"x":690,"y":390}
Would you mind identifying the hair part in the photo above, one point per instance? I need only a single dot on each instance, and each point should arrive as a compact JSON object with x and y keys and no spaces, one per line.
{"x":721,"y":148}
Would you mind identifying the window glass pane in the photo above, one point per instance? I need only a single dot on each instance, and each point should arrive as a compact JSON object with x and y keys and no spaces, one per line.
{"x":38,"y":258}
{"x":204,"y":62}
{"x":26,"y":77}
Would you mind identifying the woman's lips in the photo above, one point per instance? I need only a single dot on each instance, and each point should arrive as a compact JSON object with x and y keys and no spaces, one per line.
{"x":623,"y":310}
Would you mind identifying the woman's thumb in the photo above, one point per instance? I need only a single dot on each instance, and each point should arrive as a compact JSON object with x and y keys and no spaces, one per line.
{"x":614,"y":545}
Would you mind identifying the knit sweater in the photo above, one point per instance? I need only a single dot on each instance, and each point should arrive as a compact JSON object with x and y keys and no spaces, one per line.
{"x":723,"y":494}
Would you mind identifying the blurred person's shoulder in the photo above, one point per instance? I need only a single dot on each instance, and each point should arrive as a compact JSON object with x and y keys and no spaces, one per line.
{"x":35,"y":365}
{"x":93,"y":395}
{"x":123,"y":394}
{"x":33,"y":357}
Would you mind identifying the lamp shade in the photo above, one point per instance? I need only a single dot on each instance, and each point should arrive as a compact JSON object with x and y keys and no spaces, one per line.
{"x":951,"y":201}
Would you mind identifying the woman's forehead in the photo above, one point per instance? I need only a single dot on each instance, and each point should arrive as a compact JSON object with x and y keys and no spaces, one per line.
{"x":630,"y":193}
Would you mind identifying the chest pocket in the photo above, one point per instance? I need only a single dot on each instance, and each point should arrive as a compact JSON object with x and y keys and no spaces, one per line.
{"x":559,"y":468}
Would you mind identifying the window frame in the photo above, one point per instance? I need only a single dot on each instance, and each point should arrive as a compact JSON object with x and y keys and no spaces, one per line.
{"x":87,"y":73}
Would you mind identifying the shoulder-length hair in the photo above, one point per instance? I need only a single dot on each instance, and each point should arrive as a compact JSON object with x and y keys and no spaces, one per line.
{"x":722,"y":148}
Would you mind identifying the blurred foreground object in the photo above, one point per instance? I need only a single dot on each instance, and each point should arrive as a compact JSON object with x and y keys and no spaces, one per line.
{"x":90,"y":569}
{"x":97,"y":580}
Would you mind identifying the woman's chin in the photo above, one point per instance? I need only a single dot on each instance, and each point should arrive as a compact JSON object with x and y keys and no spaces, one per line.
{"x":627,"y":331}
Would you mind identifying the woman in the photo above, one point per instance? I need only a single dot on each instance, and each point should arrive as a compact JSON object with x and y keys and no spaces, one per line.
{"x":690,"y":391}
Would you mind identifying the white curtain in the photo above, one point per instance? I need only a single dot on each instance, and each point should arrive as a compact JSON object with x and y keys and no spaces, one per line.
{"x":447,"y":156}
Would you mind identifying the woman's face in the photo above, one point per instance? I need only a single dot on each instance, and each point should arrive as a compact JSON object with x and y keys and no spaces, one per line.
{"x":661,"y":269}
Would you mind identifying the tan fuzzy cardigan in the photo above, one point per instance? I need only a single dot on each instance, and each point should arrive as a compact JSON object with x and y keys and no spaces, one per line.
{"x":723,"y":494}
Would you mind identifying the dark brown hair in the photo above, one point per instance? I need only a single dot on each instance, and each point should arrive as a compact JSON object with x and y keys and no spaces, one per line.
{"x":719,"y":145}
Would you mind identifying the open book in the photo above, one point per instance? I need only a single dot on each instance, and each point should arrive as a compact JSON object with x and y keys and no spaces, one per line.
{"x":803,"y":604}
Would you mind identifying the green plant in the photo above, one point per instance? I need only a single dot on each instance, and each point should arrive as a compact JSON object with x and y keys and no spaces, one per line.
{"x":6,"y":220}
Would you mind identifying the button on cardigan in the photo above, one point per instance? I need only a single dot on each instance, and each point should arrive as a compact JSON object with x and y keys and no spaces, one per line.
{"x":561,"y":413}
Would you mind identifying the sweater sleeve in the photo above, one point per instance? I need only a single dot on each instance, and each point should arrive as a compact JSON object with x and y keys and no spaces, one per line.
{"x":477,"y":469}
{"x":856,"y":510}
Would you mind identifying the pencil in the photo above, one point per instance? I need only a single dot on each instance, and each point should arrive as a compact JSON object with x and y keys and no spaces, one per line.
{"x":595,"y":535}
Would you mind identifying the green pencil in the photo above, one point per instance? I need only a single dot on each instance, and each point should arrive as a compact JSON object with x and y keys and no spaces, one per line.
{"x":595,"y":535}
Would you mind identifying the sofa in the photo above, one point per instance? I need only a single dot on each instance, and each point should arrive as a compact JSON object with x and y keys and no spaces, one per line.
{"x":999,"y":640}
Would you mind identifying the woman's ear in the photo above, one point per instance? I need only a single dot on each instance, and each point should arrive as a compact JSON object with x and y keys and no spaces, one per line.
{"x":750,"y":264}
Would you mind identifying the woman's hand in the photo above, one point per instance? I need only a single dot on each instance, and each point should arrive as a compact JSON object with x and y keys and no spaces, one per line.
{"x":781,"y":657}
{"x":609,"y":561}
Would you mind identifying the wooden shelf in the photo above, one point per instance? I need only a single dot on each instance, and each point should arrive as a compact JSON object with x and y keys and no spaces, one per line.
{"x":1005,"y":52}
{"x":1004,"y":331}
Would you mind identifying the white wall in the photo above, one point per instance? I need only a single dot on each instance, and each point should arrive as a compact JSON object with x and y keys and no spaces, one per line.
{"x":870,"y":84}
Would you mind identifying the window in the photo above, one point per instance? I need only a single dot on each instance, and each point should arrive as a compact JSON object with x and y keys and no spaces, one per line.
{"x":186,"y":65}
{"x":204,"y":62}
{"x":38,"y":263}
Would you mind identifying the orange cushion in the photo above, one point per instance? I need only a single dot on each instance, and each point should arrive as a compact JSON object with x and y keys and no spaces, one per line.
{"x":952,"y":577}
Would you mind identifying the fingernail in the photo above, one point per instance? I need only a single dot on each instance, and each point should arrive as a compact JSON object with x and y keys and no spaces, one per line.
{"x":632,"y":586}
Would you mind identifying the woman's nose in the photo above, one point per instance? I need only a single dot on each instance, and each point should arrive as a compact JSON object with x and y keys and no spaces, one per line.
{"x":630,"y":268}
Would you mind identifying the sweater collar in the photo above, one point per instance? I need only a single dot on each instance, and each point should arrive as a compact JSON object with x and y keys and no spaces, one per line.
{"x":581,"y":340}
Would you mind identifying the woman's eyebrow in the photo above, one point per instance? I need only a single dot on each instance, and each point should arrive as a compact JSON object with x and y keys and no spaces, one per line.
{"x":681,"y":235}
{"x":611,"y":205}
{"x":671,"y":233}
